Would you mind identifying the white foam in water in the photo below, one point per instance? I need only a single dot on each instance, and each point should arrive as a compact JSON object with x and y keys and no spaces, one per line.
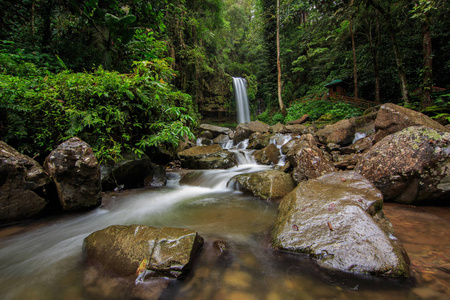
{"x":358,"y":136}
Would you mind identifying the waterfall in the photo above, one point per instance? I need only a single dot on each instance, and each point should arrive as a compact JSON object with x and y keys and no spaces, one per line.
{"x":240,"y":92}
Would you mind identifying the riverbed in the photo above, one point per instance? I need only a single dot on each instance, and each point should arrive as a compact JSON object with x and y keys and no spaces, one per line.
{"x":43,"y":259}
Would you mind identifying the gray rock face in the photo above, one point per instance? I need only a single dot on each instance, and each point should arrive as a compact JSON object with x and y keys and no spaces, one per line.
{"x":337,"y":219}
{"x":21,"y":185}
{"x":392,"y":118}
{"x":142,"y":251}
{"x":76,"y":173}
{"x":207,"y":157}
{"x":215,"y":130}
{"x":268,"y":185}
{"x":308,"y":160}
{"x":411,"y":166}
{"x":244,"y":131}
{"x":132,"y":171}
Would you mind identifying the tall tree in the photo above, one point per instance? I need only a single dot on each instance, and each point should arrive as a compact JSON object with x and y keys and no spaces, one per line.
{"x":280,"y":100}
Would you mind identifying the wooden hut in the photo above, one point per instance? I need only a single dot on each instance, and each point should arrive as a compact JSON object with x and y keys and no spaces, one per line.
{"x":336,"y":87}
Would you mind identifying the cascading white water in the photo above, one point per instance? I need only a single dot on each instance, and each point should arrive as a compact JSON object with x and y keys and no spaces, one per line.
{"x":242,"y":107}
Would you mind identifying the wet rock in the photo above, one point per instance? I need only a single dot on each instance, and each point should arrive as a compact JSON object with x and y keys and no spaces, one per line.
{"x":337,"y":219}
{"x":215,"y":130}
{"x":258,"y":140}
{"x":359,"y":146}
{"x":221,"y":139}
{"x":300,"y":129}
{"x":207,"y":157}
{"x":278,"y":128}
{"x":288,"y":146}
{"x":411,"y":166}
{"x":22,"y":182}
{"x":76,"y":173}
{"x":132,"y":171}
{"x":340,"y":133}
{"x":347,"y":162}
{"x":268,"y":155}
{"x":244,"y":131}
{"x":138,"y":251}
{"x":221,"y":246}
{"x":268,"y":185}
{"x":392,"y":118}
{"x":308,"y":160}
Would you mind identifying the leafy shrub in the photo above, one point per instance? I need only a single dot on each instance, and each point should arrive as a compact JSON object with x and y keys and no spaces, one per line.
{"x":277,"y":118}
{"x":112,"y":112}
{"x":264,"y":117}
{"x":315,"y":109}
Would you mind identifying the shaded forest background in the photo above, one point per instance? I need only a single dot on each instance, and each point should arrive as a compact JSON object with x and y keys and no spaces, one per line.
{"x":132,"y":75}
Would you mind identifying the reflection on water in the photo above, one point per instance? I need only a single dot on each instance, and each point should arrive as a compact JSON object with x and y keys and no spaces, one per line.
{"x":43,"y":260}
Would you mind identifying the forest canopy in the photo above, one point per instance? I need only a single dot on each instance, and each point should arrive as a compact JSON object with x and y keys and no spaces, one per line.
{"x":131,"y":75}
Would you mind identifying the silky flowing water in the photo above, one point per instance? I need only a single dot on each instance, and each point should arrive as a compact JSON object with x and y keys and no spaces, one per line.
{"x":43,"y":259}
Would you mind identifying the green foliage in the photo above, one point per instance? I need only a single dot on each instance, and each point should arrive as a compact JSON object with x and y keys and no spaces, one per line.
{"x":264,"y":117}
{"x":277,"y":118}
{"x":112,"y":112}
{"x":315,"y":109}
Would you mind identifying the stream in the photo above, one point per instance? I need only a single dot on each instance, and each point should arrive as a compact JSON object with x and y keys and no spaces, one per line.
{"x":42,"y":259}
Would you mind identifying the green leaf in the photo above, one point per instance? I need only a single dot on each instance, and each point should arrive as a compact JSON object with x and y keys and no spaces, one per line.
{"x":111,"y":20}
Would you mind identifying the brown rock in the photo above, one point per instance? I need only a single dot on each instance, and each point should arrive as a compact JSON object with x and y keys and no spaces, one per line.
{"x":341,"y":133}
{"x":243,"y":131}
{"x":22,"y":181}
{"x":207,"y":157}
{"x":268,"y":155}
{"x":392,"y":118}
{"x":76,"y":173}
{"x":308,"y":160}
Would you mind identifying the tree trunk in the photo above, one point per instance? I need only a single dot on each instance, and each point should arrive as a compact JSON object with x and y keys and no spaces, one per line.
{"x":398,"y":58}
{"x":427,"y":63}
{"x":280,"y":100}
{"x":355,"y":69}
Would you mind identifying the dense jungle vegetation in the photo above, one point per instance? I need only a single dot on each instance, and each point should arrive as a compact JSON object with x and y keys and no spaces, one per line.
{"x":134,"y":75}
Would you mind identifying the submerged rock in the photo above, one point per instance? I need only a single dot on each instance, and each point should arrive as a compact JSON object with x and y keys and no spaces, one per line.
{"x":22,"y":181}
{"x":392,"y":118}
{"x":268,"y":185}
{"x":411,"y":166}
{"x":337,"y":219}
{"x":76,"y":173}
{"x":207,"y":157}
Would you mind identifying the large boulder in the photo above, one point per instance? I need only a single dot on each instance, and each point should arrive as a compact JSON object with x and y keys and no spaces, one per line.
{"x":245,"y":130}
{"x":268,"y":155}
{"x":341,"y":133}
{"x":411,"y":166}
{"x":268,"y":185}
{"x":132,"y":171}
{"x":308,"y":160}
{"x":76,"y":174}
{"x":337,"y":219}
{"x":139,"y":251}
{"x":215,"y":130}
{"x":207,"y":157}
{"x":22,"y":182}
{"x":392,"y":118}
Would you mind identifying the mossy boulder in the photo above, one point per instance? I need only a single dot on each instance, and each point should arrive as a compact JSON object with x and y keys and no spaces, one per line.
{"x":139,"y":251}
{"x":207,"y":157}
{"x":245,"y":130}
{"x":411,"y":166}
{"x":337,"y":219}
{"x":268,"y":185}
{"x":268,"y":155}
